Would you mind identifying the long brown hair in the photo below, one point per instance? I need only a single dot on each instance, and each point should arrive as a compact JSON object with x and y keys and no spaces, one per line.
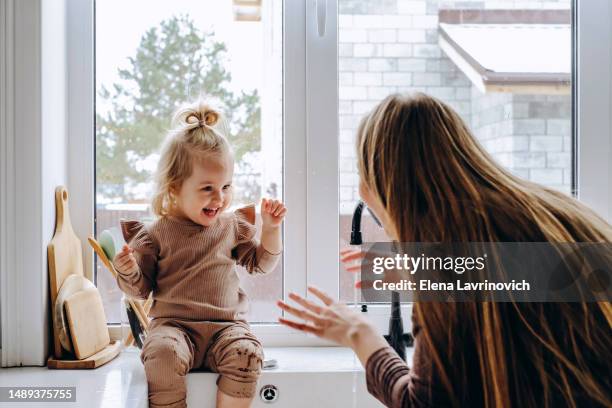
{"x":438,"y":184}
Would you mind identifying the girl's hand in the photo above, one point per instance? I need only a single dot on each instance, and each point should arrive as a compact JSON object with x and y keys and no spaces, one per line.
{"x":125,"y":262}
{"x":272,"y":212}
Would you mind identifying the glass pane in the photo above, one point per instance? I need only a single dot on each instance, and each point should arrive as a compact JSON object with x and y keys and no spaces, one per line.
{"x":147,"y":64}
{"x":484,"y":58}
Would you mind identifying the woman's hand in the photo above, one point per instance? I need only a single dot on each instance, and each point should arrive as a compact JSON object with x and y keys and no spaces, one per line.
{"x":335,"y":322}
{"x":125,"y":262}
{"x":272,"y":212}
{"x":351,"y":258}
{"x":354,"y":258}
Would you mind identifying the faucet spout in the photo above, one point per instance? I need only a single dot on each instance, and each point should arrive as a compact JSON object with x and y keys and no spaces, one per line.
{"x":356,"y":238}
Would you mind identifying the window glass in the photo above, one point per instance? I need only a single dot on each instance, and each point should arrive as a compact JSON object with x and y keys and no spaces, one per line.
{"x":484,"y":58}
{"x":152,"y":56}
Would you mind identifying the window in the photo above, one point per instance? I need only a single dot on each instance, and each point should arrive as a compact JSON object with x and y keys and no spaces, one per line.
{"x":504,"y":66}
{"x":591,"y":67}
{"x":332,"y":61}
{"x":152,"y":56}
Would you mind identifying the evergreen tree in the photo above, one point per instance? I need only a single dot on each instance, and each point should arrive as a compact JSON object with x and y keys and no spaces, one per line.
{"x":174,"y":63}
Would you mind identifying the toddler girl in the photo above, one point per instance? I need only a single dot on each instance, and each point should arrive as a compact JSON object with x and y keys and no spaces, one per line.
{"x":187,"y":257}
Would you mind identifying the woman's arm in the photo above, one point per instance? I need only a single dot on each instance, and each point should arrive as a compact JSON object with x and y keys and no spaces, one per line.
{"x":389,"y":380}
{"x":388,"y":377}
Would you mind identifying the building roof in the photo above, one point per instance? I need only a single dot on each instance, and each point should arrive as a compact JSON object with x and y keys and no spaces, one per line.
{"x":511,"y":57}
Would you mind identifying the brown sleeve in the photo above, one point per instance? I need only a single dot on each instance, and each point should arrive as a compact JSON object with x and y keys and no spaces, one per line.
{"x":248,"y":252}
{"x":140,"y":283}
{"x":389,"y":379}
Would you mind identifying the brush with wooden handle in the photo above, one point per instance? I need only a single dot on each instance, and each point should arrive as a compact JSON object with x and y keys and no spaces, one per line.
{"x":147,"y":306}
{"x":140,"y":311}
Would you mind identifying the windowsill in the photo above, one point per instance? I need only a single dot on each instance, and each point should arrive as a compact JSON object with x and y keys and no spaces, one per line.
{"x":295,"y":360}
{"x":122,"y":382}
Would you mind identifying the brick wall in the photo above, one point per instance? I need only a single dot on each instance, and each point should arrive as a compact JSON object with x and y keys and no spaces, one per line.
{"x":528,"y":134}
{"x":391,"y":46}
{"x":380,"y":54}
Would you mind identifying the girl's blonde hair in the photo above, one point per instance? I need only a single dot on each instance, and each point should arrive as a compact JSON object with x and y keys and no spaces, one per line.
{"x":437,"y":184}
{"x":198,"y":130}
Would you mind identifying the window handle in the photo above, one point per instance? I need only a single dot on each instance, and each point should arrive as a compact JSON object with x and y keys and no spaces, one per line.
{"x":321,"y":11}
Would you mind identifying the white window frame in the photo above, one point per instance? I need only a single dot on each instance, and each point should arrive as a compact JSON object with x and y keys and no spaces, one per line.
{"x":81,"y":123}
{"x":593,"y":103}
{"x":311,"y":122}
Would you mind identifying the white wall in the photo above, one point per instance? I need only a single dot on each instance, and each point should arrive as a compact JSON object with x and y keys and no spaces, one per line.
{"x":5,"y":148}
{"x":37,"y":108}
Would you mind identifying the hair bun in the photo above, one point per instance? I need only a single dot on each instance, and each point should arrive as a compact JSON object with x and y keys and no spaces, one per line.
{"x":196,"y":115}
{"x":192,"y":118}
{"x":206,"y":117}
{"x":211,"y":117}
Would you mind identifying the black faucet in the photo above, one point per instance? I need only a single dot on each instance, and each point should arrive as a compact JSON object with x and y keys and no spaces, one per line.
{"x":396,"y":337}
{"x":356,"y":224}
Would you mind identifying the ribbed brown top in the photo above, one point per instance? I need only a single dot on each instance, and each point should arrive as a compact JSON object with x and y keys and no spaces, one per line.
{"x":393,"y":383}
{"x":389,"y":379}
{"x":191,"y":269}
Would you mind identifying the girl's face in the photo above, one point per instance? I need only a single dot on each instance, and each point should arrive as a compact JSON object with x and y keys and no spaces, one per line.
{"x":377,"y":208}
{"x":208,"y":191}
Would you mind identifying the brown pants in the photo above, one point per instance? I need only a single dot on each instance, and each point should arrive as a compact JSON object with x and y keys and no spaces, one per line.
{"x":174,"y":347}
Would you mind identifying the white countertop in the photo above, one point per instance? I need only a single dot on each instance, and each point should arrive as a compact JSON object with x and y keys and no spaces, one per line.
{"x":122,"y":382}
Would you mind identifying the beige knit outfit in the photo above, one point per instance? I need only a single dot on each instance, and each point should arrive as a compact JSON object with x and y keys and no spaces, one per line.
{"x":199,"y":309}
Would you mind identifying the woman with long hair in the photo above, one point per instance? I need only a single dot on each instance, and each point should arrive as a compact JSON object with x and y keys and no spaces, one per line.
{"x":427,"y":179}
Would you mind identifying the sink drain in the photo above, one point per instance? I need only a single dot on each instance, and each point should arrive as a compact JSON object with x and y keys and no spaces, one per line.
{"x":268,"y":393}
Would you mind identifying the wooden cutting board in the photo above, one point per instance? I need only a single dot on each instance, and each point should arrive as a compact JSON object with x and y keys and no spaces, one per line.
{"x":87,"y":322}
{"x":64,"y":253}
{"x":72,"y":284}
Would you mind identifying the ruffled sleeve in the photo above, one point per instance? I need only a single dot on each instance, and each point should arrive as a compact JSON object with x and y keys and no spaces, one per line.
{"x":248,"y":252}
{"x":139,"y":283}
{"x":137,"y":237}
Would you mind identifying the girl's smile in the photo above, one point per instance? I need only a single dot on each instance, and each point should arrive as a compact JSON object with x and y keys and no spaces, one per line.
{"x":207,"y":192}
{"x":210,"y":212}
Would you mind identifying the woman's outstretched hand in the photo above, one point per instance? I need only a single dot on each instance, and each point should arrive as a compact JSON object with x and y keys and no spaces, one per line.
{"x":333,"y":321}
